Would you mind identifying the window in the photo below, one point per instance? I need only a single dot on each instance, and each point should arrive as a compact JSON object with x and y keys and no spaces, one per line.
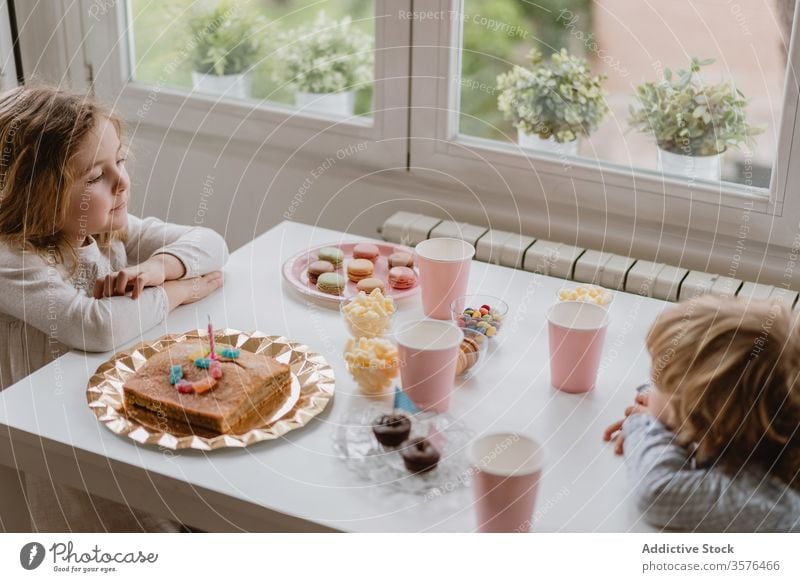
{"x":307,"y":77}
{"x":742,"y":46}
{"x":611,"y":192}
{"x":8,"y":69}
{"x":316,"y":56}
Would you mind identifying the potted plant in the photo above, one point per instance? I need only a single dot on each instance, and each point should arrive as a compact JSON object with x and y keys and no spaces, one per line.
{"x":693,"y":123}
{"x":553,"y":103}
{"x":325,"y":63}
{"x":225,"y":45}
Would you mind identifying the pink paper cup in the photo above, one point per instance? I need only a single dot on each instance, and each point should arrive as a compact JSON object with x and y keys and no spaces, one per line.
{"x":428,"y":351}
{"x":506,"y":469}
{"x":443,"y":273}
{"x":576,"y":332}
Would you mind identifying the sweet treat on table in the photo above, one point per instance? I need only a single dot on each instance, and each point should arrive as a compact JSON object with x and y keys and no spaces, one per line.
{"x":333,"y":255}
{"x":369,"y":285}
{"x":359,"y":269}
{"x":392,"y":429}
{"x":484,"y":319}
{"x":331,"y":283}
{"x":419,"y":455}
{"x":207,"y":390}
{"x":373,"y":363}
{"x":317,"y":268}
{"x":587,"y":293}
{"x":401,"y":259}
{"x":468,"y":352}
{"x":366,"y":251}
{"x":368,"y":315}
{"x":402,"y":277}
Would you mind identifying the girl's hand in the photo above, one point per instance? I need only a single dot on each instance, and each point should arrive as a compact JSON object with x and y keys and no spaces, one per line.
{"x":642,"y":399}
{"x":187,"y":291}
{"x":152,"y":272}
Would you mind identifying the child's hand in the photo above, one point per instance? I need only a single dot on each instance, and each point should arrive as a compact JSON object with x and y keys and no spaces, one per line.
{"x":186,"y":291}
{"x":152,"y":272}
{"x":642,"y":400}
{"x":132,"y":280}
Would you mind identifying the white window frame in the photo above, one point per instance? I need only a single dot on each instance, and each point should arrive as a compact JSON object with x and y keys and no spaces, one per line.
{"x":265,"y":124}
{"x":8,"y":66}
{"x":589,"y":202}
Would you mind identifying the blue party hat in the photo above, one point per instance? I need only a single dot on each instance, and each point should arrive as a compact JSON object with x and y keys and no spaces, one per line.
{"x":403,"y":402}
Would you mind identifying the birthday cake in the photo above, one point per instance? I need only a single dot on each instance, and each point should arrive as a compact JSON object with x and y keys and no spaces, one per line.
{"x":190,"y":388}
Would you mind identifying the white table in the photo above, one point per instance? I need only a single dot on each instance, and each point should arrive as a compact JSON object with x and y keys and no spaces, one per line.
{"x":297,"y":483}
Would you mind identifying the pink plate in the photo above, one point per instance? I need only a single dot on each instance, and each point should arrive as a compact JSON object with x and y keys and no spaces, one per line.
{"x":294,"y":271}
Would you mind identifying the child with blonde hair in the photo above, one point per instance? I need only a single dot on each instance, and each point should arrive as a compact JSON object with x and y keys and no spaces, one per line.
{"x":715,"y":444}
{"x":76,"y":270}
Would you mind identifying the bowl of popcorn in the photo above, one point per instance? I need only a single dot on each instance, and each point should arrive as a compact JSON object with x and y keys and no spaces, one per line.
{"x":373,"y":363}
{"x":482,"y":313}
{"x":586,"y":293}
{"x":368,"y":315}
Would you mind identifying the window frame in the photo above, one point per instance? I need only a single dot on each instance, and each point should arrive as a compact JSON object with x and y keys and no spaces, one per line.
{"x":262,"y":123}
{"x":595,"y":190}
{"x":8,"y":66}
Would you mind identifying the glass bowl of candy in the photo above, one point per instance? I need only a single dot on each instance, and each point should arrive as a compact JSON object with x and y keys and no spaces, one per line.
{"x":483,"y":313}
{"x":586,"y":293}
{"x":368,"y":315}
{"x":471,"y":352}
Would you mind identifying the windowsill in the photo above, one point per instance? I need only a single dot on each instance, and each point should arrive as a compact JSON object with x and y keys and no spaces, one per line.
{"x":585,"y":169}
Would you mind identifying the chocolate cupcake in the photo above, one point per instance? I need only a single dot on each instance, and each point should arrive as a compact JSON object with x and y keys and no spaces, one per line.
{"x":419,"y":455}
{"x":392,"y":429}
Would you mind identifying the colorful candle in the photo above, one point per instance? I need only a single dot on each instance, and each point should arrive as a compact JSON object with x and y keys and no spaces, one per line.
{"x":213,"y":354}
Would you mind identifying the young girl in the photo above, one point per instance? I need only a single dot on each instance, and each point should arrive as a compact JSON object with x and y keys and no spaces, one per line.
{"x":715,"y":444}
{"x":76,"y":270}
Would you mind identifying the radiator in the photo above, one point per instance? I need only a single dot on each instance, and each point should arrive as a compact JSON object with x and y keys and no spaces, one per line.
{"x":578,"y":264}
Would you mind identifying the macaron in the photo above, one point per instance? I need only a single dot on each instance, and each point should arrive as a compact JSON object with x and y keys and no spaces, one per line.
{"x":359,"y":269}
{"x":317,"y":268}
{"x":366,"y":251}
{"x":401,"y":259}
{"x":331,"y":283}
{"x":369,"y":284}
{"x":331,"y":254}
{"x":402,"y":277}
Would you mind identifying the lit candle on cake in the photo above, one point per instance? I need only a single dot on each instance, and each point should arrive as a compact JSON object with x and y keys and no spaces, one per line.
{"x":213,"y":354}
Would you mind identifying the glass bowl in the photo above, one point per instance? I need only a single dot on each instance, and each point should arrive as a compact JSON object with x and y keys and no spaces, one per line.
{"x":470,"y":312}
{"x":370,"y":324}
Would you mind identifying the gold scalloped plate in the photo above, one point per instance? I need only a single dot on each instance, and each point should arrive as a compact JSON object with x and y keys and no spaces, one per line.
{"x":312,"y":389}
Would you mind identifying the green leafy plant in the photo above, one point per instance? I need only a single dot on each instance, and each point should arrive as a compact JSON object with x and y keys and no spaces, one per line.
{"x":691,"y":118}
{"x":225,"y":40}
{"x":557,"y":97}
{"x":327,"y":56}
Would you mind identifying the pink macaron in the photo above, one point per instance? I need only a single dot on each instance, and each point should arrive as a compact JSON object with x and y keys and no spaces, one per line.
{"x":366,"y":251}
{"x":401,"y":259}
{"x":402,"y":277}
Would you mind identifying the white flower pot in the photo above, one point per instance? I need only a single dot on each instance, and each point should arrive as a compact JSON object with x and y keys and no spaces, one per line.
{"x":236,"y":86}
{"x":342,"y":103}
{"x":692,"y":167}
{"x":549,"y":145}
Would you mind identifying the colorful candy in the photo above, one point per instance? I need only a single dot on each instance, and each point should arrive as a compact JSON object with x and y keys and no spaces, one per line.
{"x":215,"y":369}
{"x":230,"y":353}
{"x":175,"y":374}
{"x":483,"y":319}
{"x":205,"y":359}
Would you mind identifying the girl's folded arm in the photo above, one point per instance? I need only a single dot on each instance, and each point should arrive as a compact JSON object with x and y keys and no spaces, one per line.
{"x":200,"y":249}
{"x":669,"y":490}
{"x":39,"y":296}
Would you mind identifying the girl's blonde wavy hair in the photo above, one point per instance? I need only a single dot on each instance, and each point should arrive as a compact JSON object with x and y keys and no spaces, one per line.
{"x":41,"y":132}
{"x":731,"y":371}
